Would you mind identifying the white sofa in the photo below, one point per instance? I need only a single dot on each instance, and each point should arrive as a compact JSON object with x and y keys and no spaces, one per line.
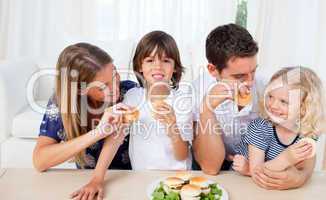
{"x":20,"y":123}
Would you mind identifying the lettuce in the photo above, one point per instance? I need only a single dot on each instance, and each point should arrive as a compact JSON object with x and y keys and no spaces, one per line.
{"x":160,"y":194}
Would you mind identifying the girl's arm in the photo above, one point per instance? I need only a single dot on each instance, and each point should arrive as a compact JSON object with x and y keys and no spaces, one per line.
{"x":256,"y":158}
{"x":48,"y":152}
{"x":180,"y":147}
{"x":291,"y":156}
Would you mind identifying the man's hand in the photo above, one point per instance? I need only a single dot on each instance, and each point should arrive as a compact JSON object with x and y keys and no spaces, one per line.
{"x":272,"y":180}
{"x":220,"y":92}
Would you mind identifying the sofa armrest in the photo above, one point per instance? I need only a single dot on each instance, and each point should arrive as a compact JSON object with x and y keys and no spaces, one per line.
{"x":14,"y":76}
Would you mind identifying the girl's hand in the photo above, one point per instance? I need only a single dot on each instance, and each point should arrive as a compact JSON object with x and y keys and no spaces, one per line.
{"x":240,"y":164}
{"x":164,"y":113}
{"x":89,"y":191}
{"x":111,"y":120}
{"x":298,"y":152}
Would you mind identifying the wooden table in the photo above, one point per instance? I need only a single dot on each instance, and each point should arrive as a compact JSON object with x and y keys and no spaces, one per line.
{"x":132,"y":185}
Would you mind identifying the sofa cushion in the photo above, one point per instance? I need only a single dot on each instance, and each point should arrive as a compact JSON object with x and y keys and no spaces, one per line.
{"x":13,"y":157}
{"x":27,"y":123}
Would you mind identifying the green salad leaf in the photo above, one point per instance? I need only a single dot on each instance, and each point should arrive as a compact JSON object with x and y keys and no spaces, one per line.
{"x":159,"y":194}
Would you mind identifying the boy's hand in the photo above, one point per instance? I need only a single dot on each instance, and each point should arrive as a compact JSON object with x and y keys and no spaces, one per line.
{"x":89,"y":191}
{"x":164,"y":113}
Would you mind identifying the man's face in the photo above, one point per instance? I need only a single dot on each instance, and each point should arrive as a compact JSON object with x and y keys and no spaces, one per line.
{"x":241,"y":70}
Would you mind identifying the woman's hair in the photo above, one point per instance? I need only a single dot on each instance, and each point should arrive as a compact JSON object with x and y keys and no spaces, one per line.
{"x":162,"y":43}
{"x":312,"y":105}
{"x":77,"y":65}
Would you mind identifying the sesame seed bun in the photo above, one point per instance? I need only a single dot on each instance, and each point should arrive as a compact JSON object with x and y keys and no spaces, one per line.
{"x":201,"y":182}
{"x":173,"y":181}
{"x":130,"y":117}
{"x":190,"y":192}
{"x":184,"y":175}
{"x":243,"y":100}
{"x":172,"y":184}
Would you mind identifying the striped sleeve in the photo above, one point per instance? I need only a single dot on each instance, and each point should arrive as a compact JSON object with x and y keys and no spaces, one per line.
{"x":257,"y":134}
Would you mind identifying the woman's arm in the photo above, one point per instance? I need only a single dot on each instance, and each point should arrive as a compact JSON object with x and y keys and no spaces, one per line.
{"x":60,"y":152}
{"x":48,"y":152}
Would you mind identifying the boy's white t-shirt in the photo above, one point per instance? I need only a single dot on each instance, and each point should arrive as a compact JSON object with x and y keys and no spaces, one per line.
{"x":149,"y":146}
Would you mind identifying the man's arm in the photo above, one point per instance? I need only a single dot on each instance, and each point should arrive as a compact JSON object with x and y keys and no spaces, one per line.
{"x":208,"y":145}
{"x":288,"y":179}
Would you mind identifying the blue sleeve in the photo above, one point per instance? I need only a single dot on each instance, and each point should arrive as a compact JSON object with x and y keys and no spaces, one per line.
{"x":127,"y":85}
{"x":257,"y":134}
{"x":51,"y":125}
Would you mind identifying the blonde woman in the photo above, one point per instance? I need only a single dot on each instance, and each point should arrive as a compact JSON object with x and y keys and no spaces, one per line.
{"x":292,"y":108}
{"x":75,"y":125}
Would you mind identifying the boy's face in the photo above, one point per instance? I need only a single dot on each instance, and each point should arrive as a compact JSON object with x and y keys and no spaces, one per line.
{"x":157,"y":69}
{"x":241,"y":70}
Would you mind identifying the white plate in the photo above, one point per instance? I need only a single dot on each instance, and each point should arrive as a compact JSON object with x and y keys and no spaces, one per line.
{"x":155,"y":184}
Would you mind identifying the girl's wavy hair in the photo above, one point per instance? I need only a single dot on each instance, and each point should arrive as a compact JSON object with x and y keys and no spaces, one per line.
{"x":312,"y":107}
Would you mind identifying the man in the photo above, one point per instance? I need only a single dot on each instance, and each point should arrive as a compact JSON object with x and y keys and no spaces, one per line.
{"x":220,"y":118}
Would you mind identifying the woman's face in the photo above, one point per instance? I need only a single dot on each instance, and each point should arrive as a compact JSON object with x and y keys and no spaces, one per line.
{"x":105,"y":86}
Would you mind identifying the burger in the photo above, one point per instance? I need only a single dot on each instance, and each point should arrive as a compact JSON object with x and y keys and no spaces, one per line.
{"x":184,"y":175}
{"x":311,"y":141}
{"x":173,"y":184}
{"x":243,"y":100}
{"x":201,"y":182}
{"x":190,"y":192}
{"x":130,"y":116}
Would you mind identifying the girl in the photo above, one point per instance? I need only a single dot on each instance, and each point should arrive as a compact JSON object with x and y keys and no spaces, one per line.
{"x":293,"y":108}
{"x":161,"y":137}
{"x":74,"y":125}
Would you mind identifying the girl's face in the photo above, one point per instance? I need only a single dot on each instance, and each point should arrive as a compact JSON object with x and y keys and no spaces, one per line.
{"x":157,"y":69}
{"x":105,"y":86}
{"x":282,"y":104}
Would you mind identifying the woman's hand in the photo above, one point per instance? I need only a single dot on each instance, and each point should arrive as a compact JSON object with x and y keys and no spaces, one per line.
{"x":111,"y":120}
{"x":164,"y":113}
{"x":89,"y":191}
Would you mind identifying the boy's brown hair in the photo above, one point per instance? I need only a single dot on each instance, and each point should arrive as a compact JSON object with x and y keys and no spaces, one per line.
{"x":162,"y":43}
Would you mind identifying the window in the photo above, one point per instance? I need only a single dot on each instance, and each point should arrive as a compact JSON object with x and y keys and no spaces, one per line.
{"x":242,"y":13}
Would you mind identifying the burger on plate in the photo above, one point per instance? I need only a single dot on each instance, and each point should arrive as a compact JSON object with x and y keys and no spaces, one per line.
{"x":201,"y":182}
{"x":184,"y":175}
{"x":190,"y":192}
{"x":173,"y":184}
